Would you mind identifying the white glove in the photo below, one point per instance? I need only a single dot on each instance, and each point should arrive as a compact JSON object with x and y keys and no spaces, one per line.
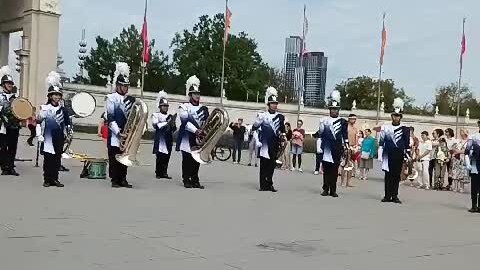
{"x":40,"y":138}
{"x":468,"y":164}
{"x":259,"y":144}
{"x":260,"y":119}
{"x":380,"y":154}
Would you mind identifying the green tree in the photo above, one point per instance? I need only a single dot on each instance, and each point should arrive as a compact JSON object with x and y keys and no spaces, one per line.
{"x":364,"y":91}
{"x":445,"y":99}
{"x":199,"y":52}
{"x":101,"y":62}
{"x":127,"y":47}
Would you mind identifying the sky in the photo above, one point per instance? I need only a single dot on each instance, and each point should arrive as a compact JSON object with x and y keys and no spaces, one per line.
{"x":423,"y":36}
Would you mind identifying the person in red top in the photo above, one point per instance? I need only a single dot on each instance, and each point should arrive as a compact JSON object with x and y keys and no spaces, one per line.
{"x":297,"y":145}
{"x":103,"y":128}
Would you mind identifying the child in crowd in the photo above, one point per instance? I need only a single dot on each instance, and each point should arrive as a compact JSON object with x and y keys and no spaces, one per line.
{"x":442,"y":156}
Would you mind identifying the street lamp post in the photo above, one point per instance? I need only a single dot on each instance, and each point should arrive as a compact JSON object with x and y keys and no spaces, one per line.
{"x":82,"y":55}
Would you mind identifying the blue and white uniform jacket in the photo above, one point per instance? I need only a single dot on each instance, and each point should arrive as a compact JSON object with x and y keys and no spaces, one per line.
{"x":118,"y":107}
{"x":163,"y":141}
{"x":393,"y":138}
{"x":472,"y":154}
{"x":333,"y":133}
{"x":270,"y":127}
{"x":53,"y":122}
{"x":5,"y":104}
{"x":192,"y":117}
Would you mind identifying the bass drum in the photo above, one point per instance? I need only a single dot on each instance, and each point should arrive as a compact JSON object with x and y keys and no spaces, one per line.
{"x":22,"y":109}
{"x":81,"y":105}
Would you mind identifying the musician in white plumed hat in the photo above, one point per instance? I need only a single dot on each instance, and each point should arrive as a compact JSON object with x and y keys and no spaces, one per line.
{"x":334,"y":137}
{"x":164,"y":125}
{"x":192,"y":117}
{"x":53,"y":122}
{"x":272,"y":125}
{"x":9,"y":125}
{"x":118,"y":106}
{"x":394,"y":148}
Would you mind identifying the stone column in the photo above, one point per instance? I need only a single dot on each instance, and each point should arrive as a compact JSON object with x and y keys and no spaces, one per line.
{"x":4,"y":48}
{"x":41,"y":35}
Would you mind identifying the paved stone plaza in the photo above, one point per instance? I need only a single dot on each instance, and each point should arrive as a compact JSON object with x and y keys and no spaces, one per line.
{"x":229,"y":225}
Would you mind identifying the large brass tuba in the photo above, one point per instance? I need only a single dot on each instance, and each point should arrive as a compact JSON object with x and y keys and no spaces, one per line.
{"x":214,"y":127}
{"x":132,"y":133}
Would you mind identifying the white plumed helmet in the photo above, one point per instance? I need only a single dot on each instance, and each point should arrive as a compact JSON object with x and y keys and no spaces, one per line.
{"x":271,"y":95}
{"x":192,"y":85}
{"x":162,"y":99}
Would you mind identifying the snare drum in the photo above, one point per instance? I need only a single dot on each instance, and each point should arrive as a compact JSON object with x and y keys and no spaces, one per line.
{"x":95,"y":168}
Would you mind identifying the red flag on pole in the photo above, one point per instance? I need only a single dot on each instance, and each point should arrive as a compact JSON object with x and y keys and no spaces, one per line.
{"x":464,"y":45}
{"x":145,"y":52}
{"x":384,"y":41}
{"x":228,"y":16}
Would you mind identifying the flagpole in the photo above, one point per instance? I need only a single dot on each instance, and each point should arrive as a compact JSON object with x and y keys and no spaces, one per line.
{"x":459,"y":81}
{"x":378,"y":93}
{"x":302,"y":48}
{"x":143,"y":60}
{"x":223,"y":55}
{"x":380,"y":75}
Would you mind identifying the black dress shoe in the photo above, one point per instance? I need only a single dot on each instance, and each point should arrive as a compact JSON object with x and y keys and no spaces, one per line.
{"x":46,"y":184}
{"x":334,"y":195}
{"x":5,"y":173}
{"x":14,"y":173}
{"x":63,"y":169}
{"x":163,"y":176}
{"x":473,"y":210}
{"x":115,"y":185}
{"x":272,"y":189}
{"x":57,"y":184}
{"x":396,"y":200}
{"x":187,"y":184}
{"x":264,"y":189}
{"x":197,"y":185}
{"x":324,"y":193}
{"x":30,"y":141}
{"x":385,"y":199}
{"x":125,"y":184}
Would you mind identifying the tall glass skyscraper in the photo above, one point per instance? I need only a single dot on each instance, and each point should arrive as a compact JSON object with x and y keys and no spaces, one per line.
{"x":311,"y":77}
{"x":315,"y":64}
{"x":293,"y":47}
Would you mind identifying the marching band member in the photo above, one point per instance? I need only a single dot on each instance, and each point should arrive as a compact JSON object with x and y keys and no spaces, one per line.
{"x":9,"y":125}
{"x":394,"y":148}
{"x":472,"y":157}
{"x":272,"y":126}
{"x":53,"y":122}
{"x":118,"y":106}
{"x":164,"y":125}
{"x":192,"y":117}
{"x":334,"y":136}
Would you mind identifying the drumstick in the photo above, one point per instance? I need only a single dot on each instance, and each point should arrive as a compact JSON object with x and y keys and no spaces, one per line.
{"x":38,"y":152}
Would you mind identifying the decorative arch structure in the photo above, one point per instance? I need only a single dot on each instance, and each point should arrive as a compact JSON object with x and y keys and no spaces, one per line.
{"x":39,"y":22}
